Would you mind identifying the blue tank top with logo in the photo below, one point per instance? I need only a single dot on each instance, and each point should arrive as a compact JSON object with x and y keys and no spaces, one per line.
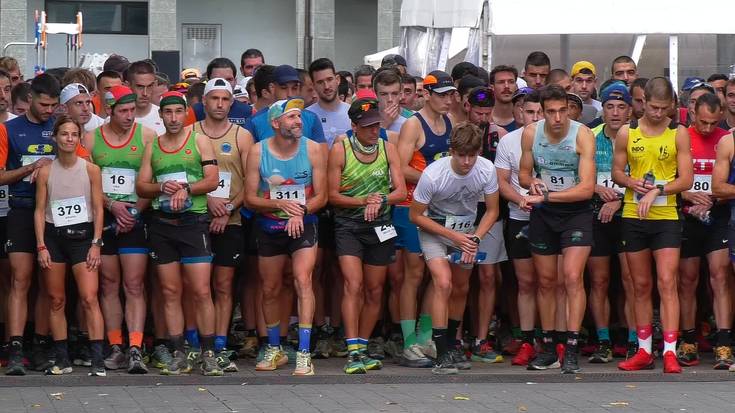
{"x":435,"y":146}
{"x":27,"y":141}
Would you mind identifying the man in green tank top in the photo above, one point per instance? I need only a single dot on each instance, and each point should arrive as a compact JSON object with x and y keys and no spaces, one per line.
{"x":117,"y":148}
{"x":179,"y":169}
{"x":361,"y":169}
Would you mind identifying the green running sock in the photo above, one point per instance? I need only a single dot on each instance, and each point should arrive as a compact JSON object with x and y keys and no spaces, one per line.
{"x":408,"y":328}
{"x":424,"y":335}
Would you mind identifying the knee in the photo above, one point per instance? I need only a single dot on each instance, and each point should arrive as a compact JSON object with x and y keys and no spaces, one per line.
{"x":20,"y":283}
{"x":88,"y":301}
{"x":374,"y":294}
{"x":303,"y":283}
{"x":57,"y":302}
{"x":719,"y":278}
{"x":134,"y":288}
{"x":667,"y":288}
{"x":352,"y":287}
{"x":223,"y":288}
{"x":170,"y":292}
{"x":271,"y":289}
{"x":599,"y":285}
{"x":526,"y":285}
{"x":486,"y":278}
{"x":442,"y":288}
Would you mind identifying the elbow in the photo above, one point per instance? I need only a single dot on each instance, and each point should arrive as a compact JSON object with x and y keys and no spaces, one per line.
{"x":401,"y":193}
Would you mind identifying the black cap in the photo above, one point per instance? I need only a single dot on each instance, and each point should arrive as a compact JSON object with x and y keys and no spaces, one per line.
{"x":393,"y":60}
{"x":481,"y":96}
{"x":364,"y":112}
{"x":573,"y":97}
{"x":439,"y":82}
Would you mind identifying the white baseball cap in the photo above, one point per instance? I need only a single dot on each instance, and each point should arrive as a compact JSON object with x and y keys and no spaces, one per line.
{"x":71,"y":91}
{"x":217,"y":83}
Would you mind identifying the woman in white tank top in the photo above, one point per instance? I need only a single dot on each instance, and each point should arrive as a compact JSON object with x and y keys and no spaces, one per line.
{"x":68,"y":225}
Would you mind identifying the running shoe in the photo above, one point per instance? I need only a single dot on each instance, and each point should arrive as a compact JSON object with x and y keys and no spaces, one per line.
{"x":369,"y":362}
{"x":303,"y":364}
{"x":290,"y":351}
{"x":194,"y":356}
{"x":161,"y":356}
{"x":261,"y":352}
{"x":671,"y":363}
{"x":687,"y":354}
{"x":632,"y":350}
{"x":560,"y":352}
{"x":570,"y":365}
{"x":116,"y":359}
{"x":544,"y":361}
{"x":322,"y":349}
{"x":209,"y":365}
{"x":179,"y":364}
{"x":459,"y":359}
{"x":723,"y":357}
{"x":354,"y":364}
{"x":338,"y":345}
{"x":640,"y":361}
{"x":603,"y":354}
{"x":525,"y":354}
{"x":135,"y":362}
{"x":273,"y":358}
{"x":413,"y":357}
{"x":485,"y":353}
{"x":619,"y":351}
{"x":249,"y":347}
{"x":428,"y":349}
{"x":394,"y":346}
{"x":62,"y":366}
{"x":376,"y":348}
{"x":97,"y":371}
{"x":15,"y":360}
{"x":82,"y":357}
{"x":513,"y":346}
{"x":224,"y":362}
{"x":444,"y":366}
{"x":40,"y":359}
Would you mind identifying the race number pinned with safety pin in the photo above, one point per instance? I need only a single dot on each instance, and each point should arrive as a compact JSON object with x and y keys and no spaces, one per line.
{"x":118,"y":181}
{"x":223,"y":187}
{"x":460,"y":223}
{"x":289,"y":193}
{"x":69,"y":211}
{"x":558,"y":180}
{"x":386,"y":232}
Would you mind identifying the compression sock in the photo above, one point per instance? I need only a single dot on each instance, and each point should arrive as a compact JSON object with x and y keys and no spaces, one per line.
{"x":304,"y":337}
{"x":439,"y":335}
{"x":425,"y":330}
{"x":408,"y":328}
{"x":670,"y":341}
{"x":207,"y":343}
{"x":603,"y":334}
{"x":724,"y":337}
{"x":274,"y":332}
{"x":220,"y":342}
{"x":645,"y":338}
{"x":452,"y":326}
{"x":192,"y":337}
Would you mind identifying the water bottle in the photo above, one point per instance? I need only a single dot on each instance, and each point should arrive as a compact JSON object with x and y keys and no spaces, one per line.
{"x":113,"y":226}
{"x":166,"y":206}
{"x":134,"y":212}
{"x":523,"y":233}
{"x":456,"y":257}
{"x":705,"y":218}
{"x":649,"y":178}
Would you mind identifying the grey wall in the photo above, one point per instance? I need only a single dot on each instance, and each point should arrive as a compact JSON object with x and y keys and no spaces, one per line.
{"x":355,"y":32}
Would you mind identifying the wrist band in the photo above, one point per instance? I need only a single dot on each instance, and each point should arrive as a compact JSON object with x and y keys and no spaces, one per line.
{"x":546,"y":196}
{"x":41,"y":248}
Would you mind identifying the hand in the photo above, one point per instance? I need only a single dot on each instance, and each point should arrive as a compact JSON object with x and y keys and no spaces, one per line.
{"x":371,"y":212}
{"x":171,"y":187}
{"x":125,"y":220}
{"x":217,"y":206}
{"x":697,"y":198}
{"x":464,"y":243}
{"x":93,"y":258}
{"x":608,"y":210}
{"x":291,"y":208}
{"x":698,"y":210}
{"x":34,"y":175}
{"x":178,"y":199}
{"x":374,"y":198}
{"x":218,"y":224}
{"x":44,"y":259}
{"x":606,"y":194}
{"x":640,"y":188}
{"x":467,"y":258}
{"x":644,"y":204}
{"x":528,"y":201}
{"x":295,"y":226}
{"x":389,"y":114}
{"x":40,"y":163}
{"x":537,"y":187}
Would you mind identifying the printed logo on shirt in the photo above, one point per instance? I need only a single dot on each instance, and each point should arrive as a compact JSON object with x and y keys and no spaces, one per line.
{"x":226,"y":148}
{"x":42,"y":148}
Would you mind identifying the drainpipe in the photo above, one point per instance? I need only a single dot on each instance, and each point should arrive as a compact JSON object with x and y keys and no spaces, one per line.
{"x":307,"y":33}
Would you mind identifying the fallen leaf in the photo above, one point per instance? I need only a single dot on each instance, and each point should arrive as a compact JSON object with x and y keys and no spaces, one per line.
{"x":244,"y":384}
{"x":36,"y":405}
{"x":389,"y":403}
{"x":530,"y":382}
{"x":57,"y":396}
{"x":461,"y":397}
{"x":103,"y":394}
{"x":522,"y":408}
{"x":630,"y":386}
{"x":577,"y":377}
{"x":201,"y":389}
{"x":619,"y":404}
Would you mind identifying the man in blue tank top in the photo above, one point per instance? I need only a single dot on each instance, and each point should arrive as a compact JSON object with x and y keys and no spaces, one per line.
{"x":558,"y":167}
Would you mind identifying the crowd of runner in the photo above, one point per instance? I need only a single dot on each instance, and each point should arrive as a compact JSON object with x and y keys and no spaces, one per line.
{"x":287,"y":215}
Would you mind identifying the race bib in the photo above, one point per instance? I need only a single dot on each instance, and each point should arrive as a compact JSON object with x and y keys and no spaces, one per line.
{"x":69,"y":211}
{"x":463,"y":223}
{"x":605,"y":179}
{"x":29,"y":159}
{"x":702,"y":183}
{"x":118,"y":181}
{"x":660,"y":200}
{"x":223,"y":187}
{"x":558,"y":180}
{"x":385,"y":232}
{"x":289,"y":193}
{"x":175,"y":176}
{"x":4,"y":201}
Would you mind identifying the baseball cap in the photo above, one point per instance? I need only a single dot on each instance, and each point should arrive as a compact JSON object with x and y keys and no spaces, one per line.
{"x":119,"y":94}
{"x":439,"y":82}
{"x":693,"y":83}
{"x":364,"y":111}
{"x":616,"y":91}
{"x":366,"y":94}
{"x":573,"y":97}
{"x":284,"y":74}
{"x":581,"y":65}
{"x":393,"y":60}
{"x":181,"y":87}
{"x":481,"y":96}
{"x":116,"y":63}
{"x":71,"y":91}
{"x":190,"y":73}
{"x":284,"y":106}
{"x":521,"y":92}
{"x":217,"y":83}
{"x":172,"y":98}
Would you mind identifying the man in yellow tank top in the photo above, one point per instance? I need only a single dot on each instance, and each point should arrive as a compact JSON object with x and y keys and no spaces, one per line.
{"x":657,"y":153}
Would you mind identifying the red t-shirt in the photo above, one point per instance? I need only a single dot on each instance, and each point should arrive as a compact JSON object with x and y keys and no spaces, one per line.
{"x":703,"y":156}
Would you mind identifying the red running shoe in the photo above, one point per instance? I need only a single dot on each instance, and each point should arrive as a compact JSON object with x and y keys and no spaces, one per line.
{"x":641,"y":361}
{"x":525,"y":354}
{"x":560,"y":352}
{"x":589,"y":349}
{"x":671,"y":364}
{"x":513,"y":346}
{"x":620,"y":351}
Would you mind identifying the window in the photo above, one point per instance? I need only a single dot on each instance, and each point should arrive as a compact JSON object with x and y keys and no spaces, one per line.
{"x":101,"y":17}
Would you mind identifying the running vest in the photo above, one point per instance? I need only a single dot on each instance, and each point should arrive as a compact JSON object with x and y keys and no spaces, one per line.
{"x":557,"y":164}
{"x":656,"y":154}
{"x":703,"y":158}
{"x":69,"y":195}
{"x":604,"y":149}
{"x":183,"y":165}
{"x":120,"y":164}
{"x":287,"y":179}
{"x":360,"y":179}
{"x":27,"y":142}
{"x":227,"y":152}
{"x":435,"y":147}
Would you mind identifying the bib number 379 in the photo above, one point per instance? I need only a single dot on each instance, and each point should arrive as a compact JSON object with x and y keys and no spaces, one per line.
{"x":69,"y":211}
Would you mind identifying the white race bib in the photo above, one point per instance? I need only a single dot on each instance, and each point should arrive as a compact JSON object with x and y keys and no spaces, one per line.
{"x":702,"y":183}
{"x":289,"y":193}
{"x":386,"y":232}
{"x":29,"y":159}
{"x":558,"y":180}
{"x":4,"y":192}
{"x":69,"y":211}
{"x":605,"y":179}
{"x":463,"y":223}
{"x":223,"y":187}
{"x":175,"y":176}
{"x":118,"y":181}
{"x":660,"y":200}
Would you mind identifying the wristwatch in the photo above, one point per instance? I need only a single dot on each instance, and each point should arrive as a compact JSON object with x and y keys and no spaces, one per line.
{"x":660,"y":189}
{"x":187,"y":187}
{"x":98,"y":242}
{"x":475,"y":239}
{"x":229,"y":207}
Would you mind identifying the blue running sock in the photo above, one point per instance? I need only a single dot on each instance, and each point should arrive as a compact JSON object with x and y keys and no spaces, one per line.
{"x":274,"y":334}
{"x":362,"y":342}
{"x":304,"y":337}
{"x":353,"y":344}
{"x":192,"y":337}
{"x":632,"y":336}
{"x":220,"y":342}
{"x":603,"y":334}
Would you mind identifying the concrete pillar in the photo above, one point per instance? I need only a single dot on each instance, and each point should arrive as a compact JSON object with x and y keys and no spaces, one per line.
{"x":725,"y":52}
{"x":162,"y":28}
{"x":316,"y":39}
{"x":302,"y":49}
{"x":389,"y":17}
{"x":13,"y":28}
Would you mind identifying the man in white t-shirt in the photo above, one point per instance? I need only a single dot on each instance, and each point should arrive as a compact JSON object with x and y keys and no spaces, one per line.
{"x":507,"y":164}
{"x":444,"y":208}
{"x":78,"y":102}
{"x":141,"y":78}
{"x":332,"y":112}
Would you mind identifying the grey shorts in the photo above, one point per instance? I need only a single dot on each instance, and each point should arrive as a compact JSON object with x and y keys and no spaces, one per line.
{"x":493,"y":244}
{"x":434,"y":246}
